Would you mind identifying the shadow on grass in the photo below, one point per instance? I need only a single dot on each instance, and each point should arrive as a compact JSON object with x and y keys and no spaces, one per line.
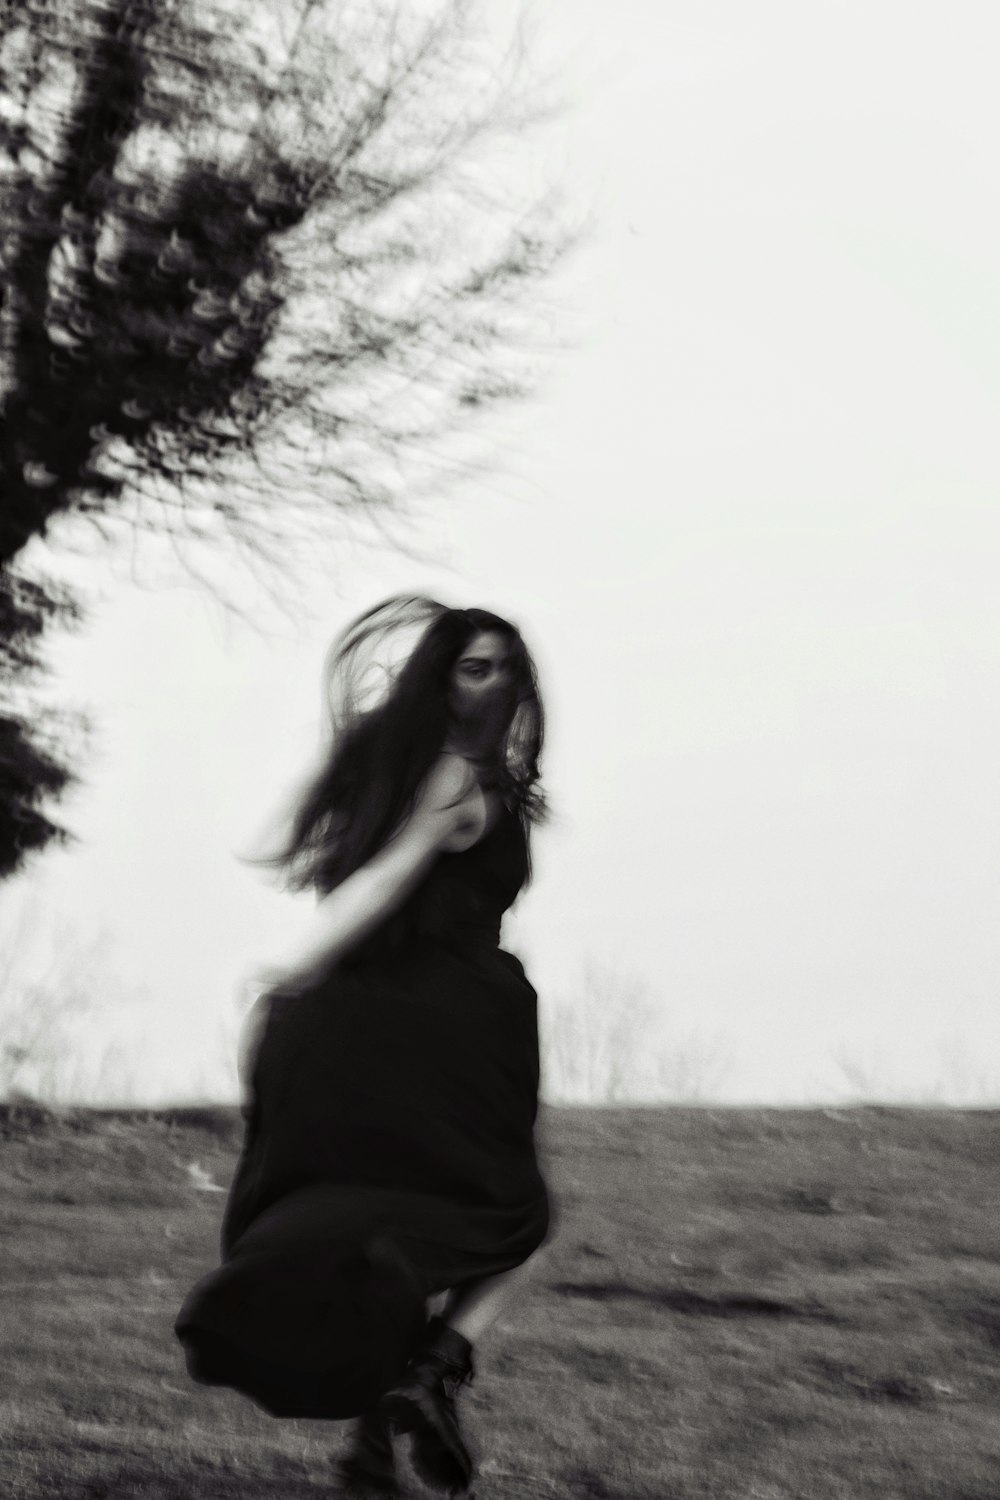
{"x":681,"y":1300}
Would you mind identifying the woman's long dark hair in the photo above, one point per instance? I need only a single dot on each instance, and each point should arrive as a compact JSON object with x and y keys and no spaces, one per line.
{"x":389,"y":722}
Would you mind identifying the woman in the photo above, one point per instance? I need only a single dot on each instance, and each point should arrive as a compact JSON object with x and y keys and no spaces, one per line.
{"x":389,"y":1169}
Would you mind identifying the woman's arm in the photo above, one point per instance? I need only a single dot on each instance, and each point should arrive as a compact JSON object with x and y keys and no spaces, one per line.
{"x":450,"y":812}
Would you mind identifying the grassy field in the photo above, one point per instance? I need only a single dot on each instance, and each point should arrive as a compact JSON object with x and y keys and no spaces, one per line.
{"x":751,"y":1304}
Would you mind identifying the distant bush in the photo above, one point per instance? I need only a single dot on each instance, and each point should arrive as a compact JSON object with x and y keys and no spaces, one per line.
{"x":72,"y":1032}
{"x":608,"y":1041}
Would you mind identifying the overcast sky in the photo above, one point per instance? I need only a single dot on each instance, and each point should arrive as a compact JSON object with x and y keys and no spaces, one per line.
{"x":750,"y":529}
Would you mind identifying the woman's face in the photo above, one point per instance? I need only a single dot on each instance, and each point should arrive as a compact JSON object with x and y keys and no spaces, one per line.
{"x":480,"y":695}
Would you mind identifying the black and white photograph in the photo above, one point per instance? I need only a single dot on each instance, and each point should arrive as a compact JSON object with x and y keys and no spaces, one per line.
{"x":499,"y":744}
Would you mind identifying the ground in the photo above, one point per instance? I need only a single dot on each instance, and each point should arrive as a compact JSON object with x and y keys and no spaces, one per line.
{"x":746,"y":1304}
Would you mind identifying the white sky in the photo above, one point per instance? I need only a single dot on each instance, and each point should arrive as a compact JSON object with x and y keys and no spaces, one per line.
{"x":750,"y":529}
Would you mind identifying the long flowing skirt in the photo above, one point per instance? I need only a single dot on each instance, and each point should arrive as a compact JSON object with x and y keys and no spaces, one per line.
{"x":389,"y":1154}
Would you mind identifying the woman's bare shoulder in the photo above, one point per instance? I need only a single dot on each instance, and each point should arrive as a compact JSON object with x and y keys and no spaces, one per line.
{"x":450,"y":781}
{"x":452,"y":797}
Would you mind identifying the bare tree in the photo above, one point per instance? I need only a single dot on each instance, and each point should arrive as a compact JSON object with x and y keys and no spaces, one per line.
{"x":959,"y":1075}
{"x":43,"y":1016}
{"x":694,"y":1066}
{"x":608,"y":1040}
{"x":254,"y":278}
{"x":75,"y":1030}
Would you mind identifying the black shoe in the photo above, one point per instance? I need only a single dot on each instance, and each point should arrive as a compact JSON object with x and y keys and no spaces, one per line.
{"x":369,"y":1471}
{"x":423,"y":1402}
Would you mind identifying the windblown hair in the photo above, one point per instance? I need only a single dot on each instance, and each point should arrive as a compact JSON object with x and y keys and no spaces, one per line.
{"x":388,"y":721}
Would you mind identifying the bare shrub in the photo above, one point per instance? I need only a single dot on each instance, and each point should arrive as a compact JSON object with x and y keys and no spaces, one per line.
{"x":958,"y":1075}
{"x":694,"y":1067}
{"x":72,"y":1031}
{"x":48,"y":1015}
{"x":608,"y":1041}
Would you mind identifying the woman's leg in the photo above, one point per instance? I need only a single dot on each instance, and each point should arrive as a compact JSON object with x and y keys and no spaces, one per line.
{"x":437,"y":1304}
{"x":472,"y":1308}
{"x":423,"y":1401}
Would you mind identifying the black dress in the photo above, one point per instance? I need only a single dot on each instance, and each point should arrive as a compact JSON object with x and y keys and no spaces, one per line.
{"x":389,"y":1149}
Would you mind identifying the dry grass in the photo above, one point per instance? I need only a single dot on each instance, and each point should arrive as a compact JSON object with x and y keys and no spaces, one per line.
{"x":750,"y":1304}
